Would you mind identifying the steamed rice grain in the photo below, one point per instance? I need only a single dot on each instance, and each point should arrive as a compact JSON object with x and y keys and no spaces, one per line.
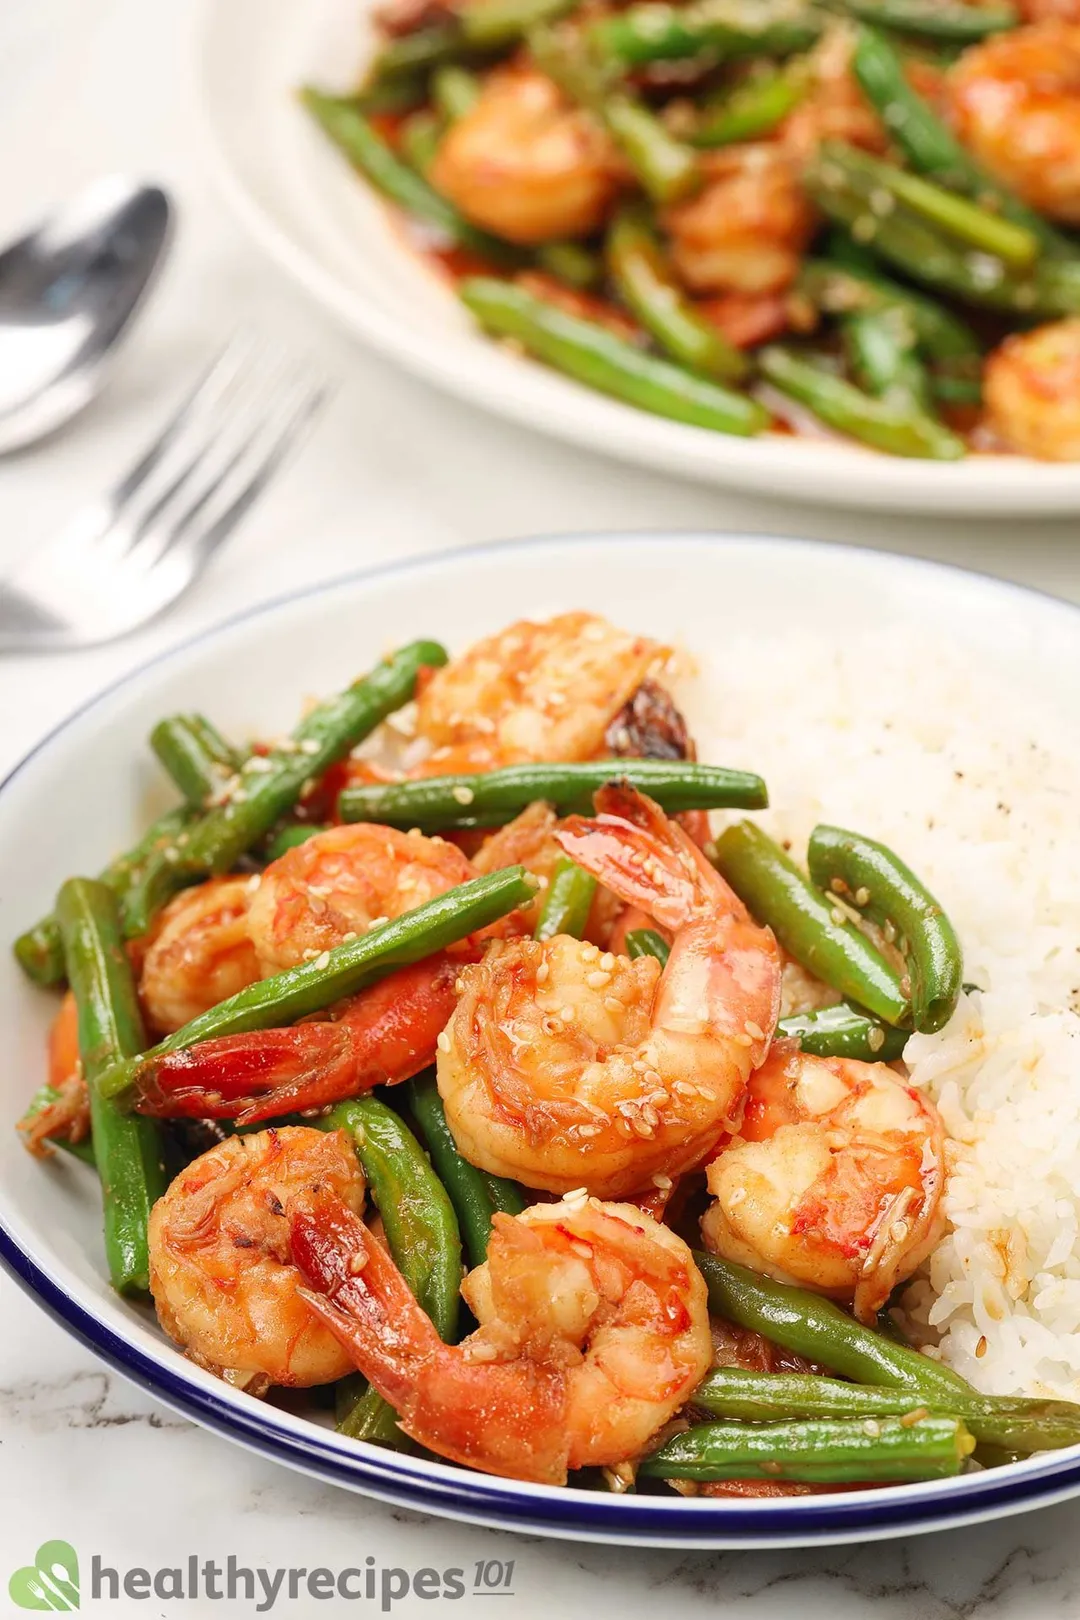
{"x":979,"y":792}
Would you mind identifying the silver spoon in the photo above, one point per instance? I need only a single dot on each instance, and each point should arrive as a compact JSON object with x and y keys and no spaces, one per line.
{"x":68,"y":291}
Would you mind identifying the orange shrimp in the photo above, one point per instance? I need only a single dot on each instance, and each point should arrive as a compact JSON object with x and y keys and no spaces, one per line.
{"x":564,"y":1067}
{"x":334,"y":886}
{"x":594,"y":1331}
{"x":834,"y":1181}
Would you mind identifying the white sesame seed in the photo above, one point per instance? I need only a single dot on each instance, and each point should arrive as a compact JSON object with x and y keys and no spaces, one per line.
{"x":357,"y":1262}
{"x":463,"y":794}
{"x":443,"y":1042}
{"x":755,"y":1031}
{"x":862,"y":896}
{"x":322,"y":960}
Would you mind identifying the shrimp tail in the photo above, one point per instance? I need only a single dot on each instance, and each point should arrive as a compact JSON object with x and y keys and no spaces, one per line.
{"x":355,"y":1289}
{"x":387,"y":1034}
{"x":644,"y":857}
{"x":506,"y":1418}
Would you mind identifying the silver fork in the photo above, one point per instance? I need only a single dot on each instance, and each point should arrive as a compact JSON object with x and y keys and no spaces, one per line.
{"x":128,"y":556}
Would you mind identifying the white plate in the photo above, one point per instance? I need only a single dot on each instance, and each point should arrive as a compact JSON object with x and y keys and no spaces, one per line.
{"x":310,"y":212}
{"x":251,"y":675}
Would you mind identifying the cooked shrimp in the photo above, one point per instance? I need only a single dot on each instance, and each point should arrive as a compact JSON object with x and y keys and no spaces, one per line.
{"x":534,"y":692}
{"x":834,"y":1181}
{"x":748,"y":228}
{"x":332,"y":887}
{"x":200,"y":953}
{"x":562,"y":1066}
{"x":1015,"y":102}
{"x":220,"y":1272}
{"x":594,"y":1331}
{"x":382,"y":1036}
{"x":530,"y":840}
{"x":834,"y":107}
{"x":341,"y":881}
{"x":1043,"y":10}
{"x":67,"y":1117}
{"x":525,"y":164}
{"x":1031,"y":385}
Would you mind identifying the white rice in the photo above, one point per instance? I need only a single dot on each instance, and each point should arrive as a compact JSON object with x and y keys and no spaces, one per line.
{"x":980,"y":793}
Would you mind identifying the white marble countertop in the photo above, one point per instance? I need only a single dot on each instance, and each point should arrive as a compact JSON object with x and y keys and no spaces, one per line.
{"x":393,"y":469}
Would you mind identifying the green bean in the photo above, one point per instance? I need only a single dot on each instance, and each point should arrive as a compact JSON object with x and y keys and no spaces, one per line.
{"x":892,"y":425}
{"x":820,"y":1450}
{"x":435,"y":803}
{"x":647,"y":942}
{"x":401,"y":93}
{"x":849,"y":283}
{"x":39,"y":951}
{"x":963,"y":221}
{"x":269,"y":785}
{"x":343,"y":971}
{"x":649,"y":289}
{"x":43,"y":1098}
{"x":127,"y":1150}
{"x":347,"y":127}
{"x":666,"y":168}
{"x":454,"y":91}
{"x":807,"y":924}
{"x":846,"y":1032}
{"x":593,"y":355}
{"x":1016,"y":1423}
{"x":475,"y":1194}
{"x":567,"y":902}
{"x":820,"y":1331}
{"x":419,"y":138}
{"x":196,"y":756}
{"x":941,"y":19}
{"x":725,"y":29}
{"x":571,"y":262}
{"x":291,"y":837}
{"x":493,"y":24}
{"x":421,"y":1232}
{"x":874,"y":880}
{"x":881,"y":351}
{"x":750,"y":110}
{"x":408,"y":54}
{"x":930,"y":144}
{"x":840,"y":183}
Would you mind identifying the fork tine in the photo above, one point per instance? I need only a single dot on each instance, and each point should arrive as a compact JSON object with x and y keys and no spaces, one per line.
{"x":251,"y":385}
{"x":278,"y":439}
{"x":214,"y":380}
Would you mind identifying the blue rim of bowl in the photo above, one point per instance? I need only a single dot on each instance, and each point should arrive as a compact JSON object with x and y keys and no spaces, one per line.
{"x":438,"y":1487}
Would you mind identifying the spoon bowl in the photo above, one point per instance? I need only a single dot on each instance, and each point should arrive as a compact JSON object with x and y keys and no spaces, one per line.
{"x":68,"y":292}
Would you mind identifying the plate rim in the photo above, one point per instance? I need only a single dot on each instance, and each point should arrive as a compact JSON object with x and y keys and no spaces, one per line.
{"x":439,"y":1487}
{"x":786,"y":468}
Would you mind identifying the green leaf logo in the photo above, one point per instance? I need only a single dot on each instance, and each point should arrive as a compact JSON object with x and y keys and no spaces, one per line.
{"x":50,"y":1582}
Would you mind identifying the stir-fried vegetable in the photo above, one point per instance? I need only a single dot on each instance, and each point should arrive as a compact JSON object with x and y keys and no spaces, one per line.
{"x":270,"y":784}
{"x":421,"y":1232}
{"x":313,"y":985}
{"x":870,"y":877}
{"x":1017,"y":1424}
{"x":475,"y":1194}
{"x":435,"y":803}
{"x":195,"y":755}
{"x":567,"y":902}
{"x":127,"y":1149}
{"x":810,"y":928}
{"x":823,"y":1451}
